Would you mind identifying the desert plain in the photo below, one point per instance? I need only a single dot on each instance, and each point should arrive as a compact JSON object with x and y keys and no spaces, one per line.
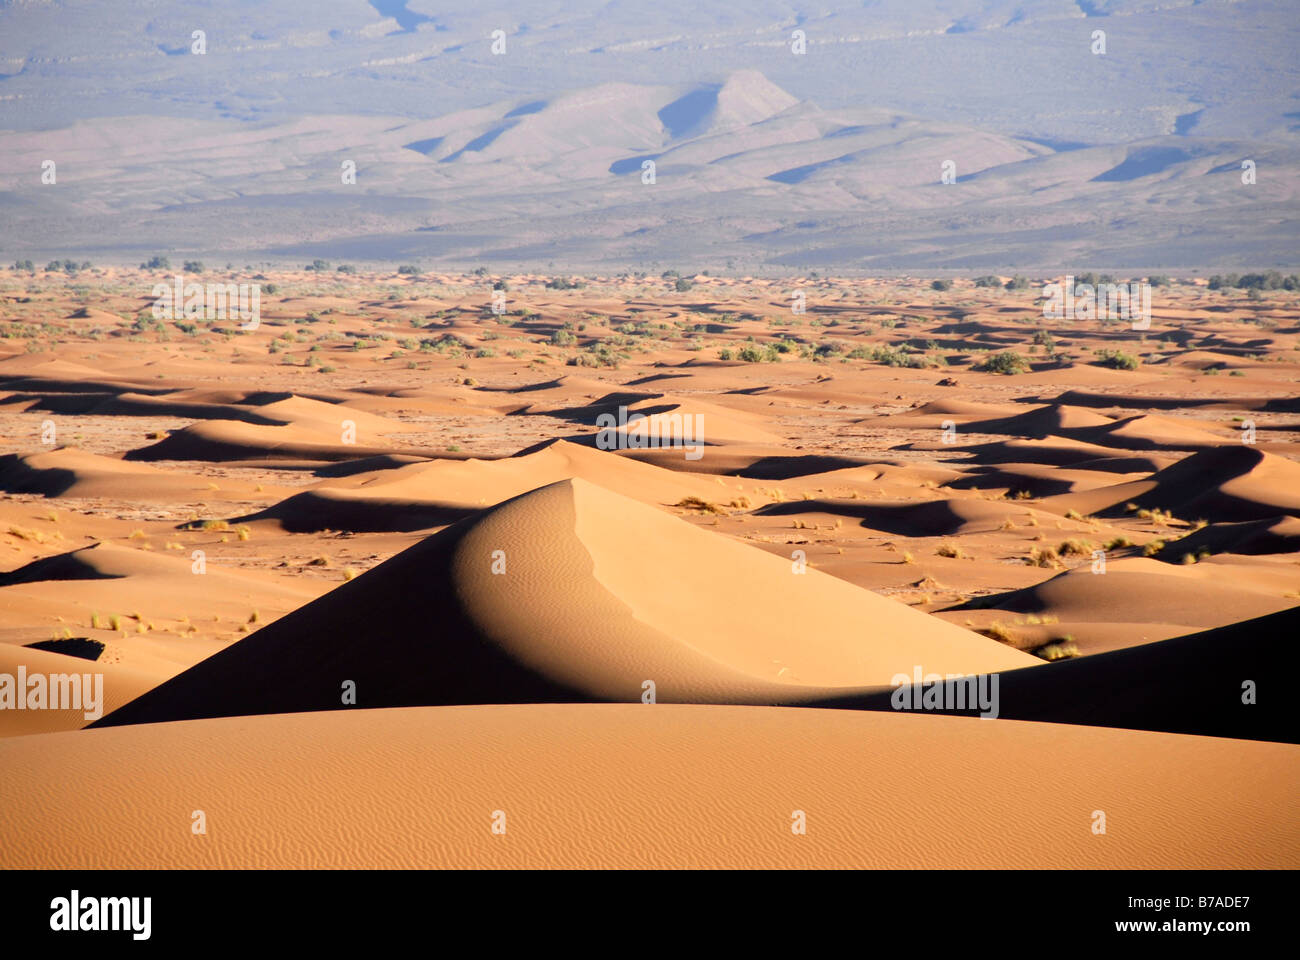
{"x":391,"y":578}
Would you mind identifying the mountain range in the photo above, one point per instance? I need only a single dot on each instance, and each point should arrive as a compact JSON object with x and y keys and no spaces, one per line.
{"x":1056,"y":156}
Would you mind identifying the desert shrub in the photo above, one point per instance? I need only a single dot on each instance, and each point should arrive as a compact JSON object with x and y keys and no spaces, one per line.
{"x":752,"y":353}
{"x":1118,"y":359}
{"x":1006,"y":362}
{"x":600,"y":355}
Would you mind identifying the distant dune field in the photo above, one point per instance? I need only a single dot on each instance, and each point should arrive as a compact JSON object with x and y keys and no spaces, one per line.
{"x":648,"y":570}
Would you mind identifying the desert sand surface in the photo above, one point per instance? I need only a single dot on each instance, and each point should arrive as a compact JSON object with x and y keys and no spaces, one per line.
{"x":630,"y":785}
{"x":518,"y":526}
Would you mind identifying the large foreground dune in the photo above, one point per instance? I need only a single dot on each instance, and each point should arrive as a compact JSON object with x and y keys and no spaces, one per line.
{"x":629,"y":785}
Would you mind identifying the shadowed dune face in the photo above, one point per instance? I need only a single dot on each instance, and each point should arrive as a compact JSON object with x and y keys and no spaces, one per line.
{"x":931,"y":519}
{"x":1278,"y":535}
{"x":1059,"y":451}
{"x":1218,"y":683}
{"x":71,"y":472}
{"x":68,"y":472}
{"x":1137,"y":589}
{"x":1228,"y":483}
{"x":231,"y":440}
{"x":318,"y":510}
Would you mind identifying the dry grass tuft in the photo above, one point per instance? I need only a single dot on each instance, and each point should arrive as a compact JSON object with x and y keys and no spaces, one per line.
{"x":1063,"y":648}
{"x":697,"y":503}
{"x":1044,"y":557}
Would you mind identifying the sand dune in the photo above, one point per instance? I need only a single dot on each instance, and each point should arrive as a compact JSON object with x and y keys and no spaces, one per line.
{"x":932,"y":518}
{"x":137,"y":405}
{"x":1055,"y":451}
{"x":38,"y":373}
{"x":1192,"y":684}
{"x":425,"y":494}
{"x":756,"y":462}
{"x":564,"y":388}
{"x":101,"y":561}
{"x":1153,"y":432}
{"x":1270,"y":535}
{"x":358,"y":511}
{"x":1137,"y":432}
{"x":1144,"y":401}
{"x":629,"y":785}
{"x":1233,"y":482}
{"x":326,"y":417}
{"x":232,"y":440}
{"x":932,"y":414}
{"x":121,"y":684}
{"x":666,"y":416}
{"x":382,"y":461}
{"x":152,"y":611}
{"x":1136,"y":590}
{"x":69,"y":472}
{"x":687,"y":610}
{"x":264,"y":408}
{"x":1044,"y":480}
{"x":73,"y":472}
{"x":1051,"y":420}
